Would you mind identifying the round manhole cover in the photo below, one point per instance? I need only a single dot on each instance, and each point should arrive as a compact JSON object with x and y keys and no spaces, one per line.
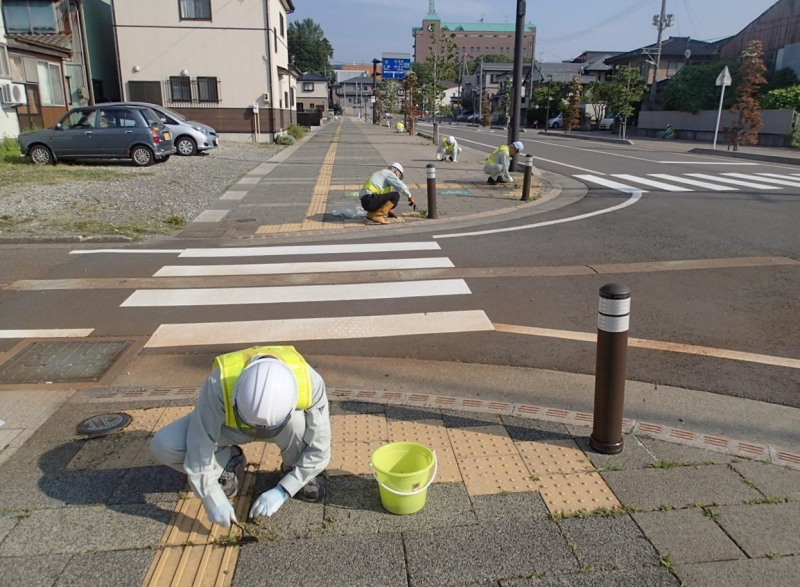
{"x":104,"y":424}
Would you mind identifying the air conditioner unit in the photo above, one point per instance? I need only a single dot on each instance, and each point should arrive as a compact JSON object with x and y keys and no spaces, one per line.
{"x":13,"y":94}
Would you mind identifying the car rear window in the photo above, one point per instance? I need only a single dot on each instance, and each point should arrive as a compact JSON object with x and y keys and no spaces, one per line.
{"x":150,"y":117}
{"x":118,"y":118}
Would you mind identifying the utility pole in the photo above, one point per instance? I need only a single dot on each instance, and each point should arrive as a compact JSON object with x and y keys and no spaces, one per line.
{"x":661,"y":22}
{"x":513,"y":131}
{"x":375,"y":93}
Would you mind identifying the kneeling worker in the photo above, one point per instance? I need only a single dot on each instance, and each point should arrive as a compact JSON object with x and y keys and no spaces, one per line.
{"x":448,"y":149}
{"x":261,"y":393}
{"x":498,"y":162}
{"x":380,"y":196}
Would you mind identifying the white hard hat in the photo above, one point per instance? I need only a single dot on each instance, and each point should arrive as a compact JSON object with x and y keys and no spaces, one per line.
{"x":451,"y":140}
{"x":265,"y":393}
{"x":518,"y":146}
{"x":399,"y":168}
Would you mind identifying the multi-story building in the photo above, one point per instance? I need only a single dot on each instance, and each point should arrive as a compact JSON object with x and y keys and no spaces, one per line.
{"x":473,"y":40}
{"x":219,"y":62}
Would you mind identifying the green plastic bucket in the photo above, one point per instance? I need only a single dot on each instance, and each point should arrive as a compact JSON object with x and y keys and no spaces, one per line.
{"x":403,"y":473}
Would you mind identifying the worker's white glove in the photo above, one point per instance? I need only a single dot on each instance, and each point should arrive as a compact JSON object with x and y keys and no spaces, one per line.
{"x":269,"y":502}
{"x":222,"y":515}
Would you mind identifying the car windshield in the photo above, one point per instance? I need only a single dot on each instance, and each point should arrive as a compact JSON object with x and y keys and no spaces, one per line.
{"x":175,"y":115}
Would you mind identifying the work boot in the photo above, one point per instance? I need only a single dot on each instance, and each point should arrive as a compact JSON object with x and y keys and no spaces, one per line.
{"x":491,"y":181}
{"x":378,"y":215}
{"x":229,"y":480}
{"x":312,"y":492}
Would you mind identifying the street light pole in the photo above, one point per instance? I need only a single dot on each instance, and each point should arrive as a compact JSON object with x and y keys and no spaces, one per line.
{"x":513,"y":132}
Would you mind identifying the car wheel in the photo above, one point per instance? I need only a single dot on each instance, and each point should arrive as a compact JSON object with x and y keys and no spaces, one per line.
{"x":556,"y":125}
{"x":186,"y":146}
{"x":41,"y":155}
{"x":142,"y":156}
{"x":164,"y":159}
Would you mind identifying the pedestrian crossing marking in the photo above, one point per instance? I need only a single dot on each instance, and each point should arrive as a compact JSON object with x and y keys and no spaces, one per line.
{"x":695,"y":182}
{"x":610,"y":184}
{"x":747,"y":184}
{"x":329,"y":328}
{"x":314,"y":267}
{"x":795,"y":183}
{"x":649,"y":182}
{"x":47,"y":333}
{"x":293,"y":294}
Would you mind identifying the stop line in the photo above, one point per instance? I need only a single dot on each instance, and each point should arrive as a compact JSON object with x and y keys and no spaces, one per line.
{"x":727,"y":182}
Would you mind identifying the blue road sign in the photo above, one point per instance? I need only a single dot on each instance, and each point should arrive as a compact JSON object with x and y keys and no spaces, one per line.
{"x":396,"y":67}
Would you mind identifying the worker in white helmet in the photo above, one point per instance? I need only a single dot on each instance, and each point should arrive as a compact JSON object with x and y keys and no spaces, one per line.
{"x":261,"y":393}
{"x":381,"y":193}
{"x":448,"y":150}
{"x":498,"y":162}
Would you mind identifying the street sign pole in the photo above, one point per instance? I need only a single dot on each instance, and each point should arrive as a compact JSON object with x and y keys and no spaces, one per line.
{"x":724,"y":80}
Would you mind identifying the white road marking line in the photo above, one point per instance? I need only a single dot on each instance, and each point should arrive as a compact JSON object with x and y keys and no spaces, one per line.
{"x":311,"y":249}
{"x":315,"y":267}
{"x":694,"y":182}
{"x":704,"y":163}
{"x":635,"y":197}
{"x":610,"y":184}
{"x":293,"y":294}
{"x":211,"y":216}
{"x":561,"y":163}
{"x":127,"y":251}
{"x":330,"y":328}
{"x":47,"y":333}
{"x":649,"y":182}
{"x":795,"y":183}
{"x":747,"y":184}
{"x":656,"y":345}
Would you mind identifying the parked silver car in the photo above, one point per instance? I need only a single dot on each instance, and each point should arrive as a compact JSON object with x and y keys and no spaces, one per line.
{"x":190,"y":137}
{"x":105,"y":131}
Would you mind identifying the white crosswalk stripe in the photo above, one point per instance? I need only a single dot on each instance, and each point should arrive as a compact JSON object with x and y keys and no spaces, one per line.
{"x":724,"y":182}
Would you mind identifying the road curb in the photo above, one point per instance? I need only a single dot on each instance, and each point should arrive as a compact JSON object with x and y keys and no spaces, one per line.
{"x":745,"y":155}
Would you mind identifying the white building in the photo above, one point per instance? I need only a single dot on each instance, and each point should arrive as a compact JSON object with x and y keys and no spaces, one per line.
{"x":9,"y":123}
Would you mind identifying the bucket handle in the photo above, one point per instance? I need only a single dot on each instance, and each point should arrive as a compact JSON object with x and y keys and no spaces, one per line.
{"x":410,"y":493}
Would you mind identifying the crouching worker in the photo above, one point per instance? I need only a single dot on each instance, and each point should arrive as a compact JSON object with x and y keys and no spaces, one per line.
{"x":381,"y":193}
{"x":498,"y":162}
{"x":448,"y":149}
{"x":261,"y":393}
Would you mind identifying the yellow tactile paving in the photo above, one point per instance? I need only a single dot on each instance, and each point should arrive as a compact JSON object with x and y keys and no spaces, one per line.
{"x":554,"y":457}
{"x":481,"y":441}
{"x":352,"y":458}
{"x":495,"y":474}
{"x":569,"y":494}
{"x":262,"y":456}
{"x":432,"y":434}
{"x":359,"y":428}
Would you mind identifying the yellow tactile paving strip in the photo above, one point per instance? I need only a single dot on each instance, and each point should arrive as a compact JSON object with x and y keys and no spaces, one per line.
{"x":484,"y":458}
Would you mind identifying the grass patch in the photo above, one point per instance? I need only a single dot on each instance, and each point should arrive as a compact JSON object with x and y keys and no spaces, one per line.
{"x":665,"y":464}
{"x":666,"y":561}
{"x":14,"y":170}
{"x":611,"y":465}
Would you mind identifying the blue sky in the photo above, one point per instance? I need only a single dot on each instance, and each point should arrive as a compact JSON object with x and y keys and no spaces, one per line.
{"x":361,"y":30}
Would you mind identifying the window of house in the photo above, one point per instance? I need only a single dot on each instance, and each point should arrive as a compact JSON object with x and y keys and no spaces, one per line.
{"x":280,"y":15}
{"x":145,"y":91}
{"x":51,"y":91}
{"x":275,"y":36}
{"x":291,"y":97}
{"x":285,"y":99}
{"x":308,"y":86}
{"x":195,"y":9}
{"x":180,"y":88}
{"x":478,"y":49}
{"x":5,"y":66}
{"x":29,"y":16}
{"x":207,"y":89}
{"x":472,"y":49}
{"x":674,"y":67}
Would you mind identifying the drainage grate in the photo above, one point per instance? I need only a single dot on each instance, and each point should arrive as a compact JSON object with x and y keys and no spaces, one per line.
{"x":62,"y":362}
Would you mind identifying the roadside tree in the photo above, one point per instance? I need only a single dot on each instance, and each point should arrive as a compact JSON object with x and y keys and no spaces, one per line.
{"x":572,"y":115}
{"x":309,"y":50}
{"x":624,"y":93}
{"x":744,"y":130}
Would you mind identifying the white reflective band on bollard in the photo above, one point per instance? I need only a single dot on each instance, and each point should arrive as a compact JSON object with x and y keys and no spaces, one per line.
{"x":431,"y":172}
{"x":615,"y":307}
{"x":613,"y":324}
{"x":528,"y":161}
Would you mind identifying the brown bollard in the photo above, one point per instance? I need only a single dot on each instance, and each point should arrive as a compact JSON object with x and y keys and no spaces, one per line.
{"x":431,"y":174}
{"x":526,"y":179}
{"x":609,"y":381}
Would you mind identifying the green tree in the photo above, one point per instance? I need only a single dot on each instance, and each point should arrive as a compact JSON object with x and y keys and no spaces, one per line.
{"x":781,"y":79}
{"x":390,"y":95}
{"x":694,"y":88}
{"x":625,"y":91}
{"x":748,"y":121}
{"x":783,"y":98}
{"x":309,"y":50}
{"x":572,"y":115}
{"x":486,"y":111}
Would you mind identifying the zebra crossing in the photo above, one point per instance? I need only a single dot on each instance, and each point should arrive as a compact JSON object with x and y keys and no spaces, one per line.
{"x":352,"y":325}
{"x":691,"y":182}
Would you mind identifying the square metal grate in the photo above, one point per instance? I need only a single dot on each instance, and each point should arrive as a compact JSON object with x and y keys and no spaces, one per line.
{"x":62,"y":361}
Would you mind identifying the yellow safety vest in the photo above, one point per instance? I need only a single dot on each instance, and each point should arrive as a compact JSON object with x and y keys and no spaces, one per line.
{"x":495,"y":152}
{"x":231,"y":365}
{"x":448,"y":147}
{"x":373,"y":189}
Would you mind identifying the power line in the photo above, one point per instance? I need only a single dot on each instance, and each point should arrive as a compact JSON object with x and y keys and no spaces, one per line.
{"x":614,"y":18}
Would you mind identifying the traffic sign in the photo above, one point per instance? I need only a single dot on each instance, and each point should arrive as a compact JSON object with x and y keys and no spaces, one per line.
{"x":724,"y":78}
{"x":396,"y":65}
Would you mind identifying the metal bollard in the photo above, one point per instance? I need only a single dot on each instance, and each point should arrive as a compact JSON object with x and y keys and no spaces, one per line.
{"x":526,"y":179}
{"x":431,"y":174}
{"x":609,"y":382}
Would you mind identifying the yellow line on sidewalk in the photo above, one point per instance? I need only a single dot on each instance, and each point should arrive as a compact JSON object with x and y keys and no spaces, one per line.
{"x":656,"y":345}
{"x":316,"y":210}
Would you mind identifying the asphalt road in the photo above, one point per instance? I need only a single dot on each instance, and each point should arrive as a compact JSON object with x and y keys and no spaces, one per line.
{"x":716,"y":269}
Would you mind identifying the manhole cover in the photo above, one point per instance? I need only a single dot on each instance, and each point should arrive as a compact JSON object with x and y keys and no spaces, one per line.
{"x":104,"y":424}
{"x":63,"y":361}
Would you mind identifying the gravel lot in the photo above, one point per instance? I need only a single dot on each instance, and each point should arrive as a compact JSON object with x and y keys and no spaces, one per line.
{"x":145,"y":202}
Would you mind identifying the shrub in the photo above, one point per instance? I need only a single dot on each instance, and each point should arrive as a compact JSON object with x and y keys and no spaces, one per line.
{"x":296,"y":131}
{"x":9,"y":149}
{"x":284,"y":140}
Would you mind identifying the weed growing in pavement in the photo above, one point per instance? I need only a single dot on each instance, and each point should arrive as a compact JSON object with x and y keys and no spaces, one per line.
{"x":608,"y":512}
{"x":666,"y":560}
{"x":711,"y":513}
{"x":631,"y":508}
{"x":573,"y":548}
{"x":587,"y":569}
{"x":761,"y":500}
{"x":665,"y":464}
{"x":611,"y":465}
{"x":175,"y":221}
{"x":773,"y":555}
{"x":665,"y":507}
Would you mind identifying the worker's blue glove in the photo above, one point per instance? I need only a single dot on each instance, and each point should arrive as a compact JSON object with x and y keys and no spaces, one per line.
{"x":269,"y":502}
{"x":223,"y":515}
